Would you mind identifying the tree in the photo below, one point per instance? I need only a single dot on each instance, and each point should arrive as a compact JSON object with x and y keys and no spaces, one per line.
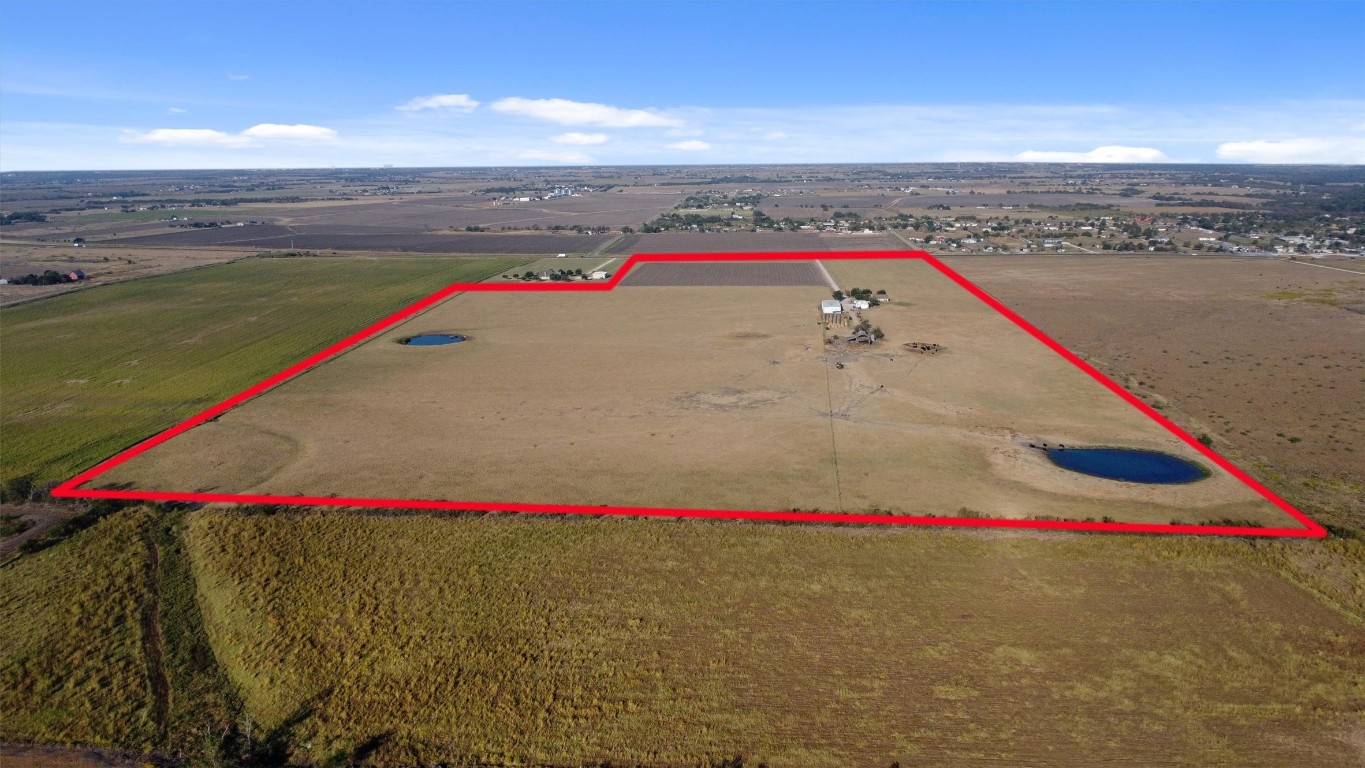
{"x":17,"y":490}
{"x":838,"y":295}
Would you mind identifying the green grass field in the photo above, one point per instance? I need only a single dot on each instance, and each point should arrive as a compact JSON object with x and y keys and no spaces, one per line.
{"x":87,"y":374}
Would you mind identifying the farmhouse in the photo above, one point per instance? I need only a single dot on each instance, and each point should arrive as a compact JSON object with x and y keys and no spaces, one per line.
{"x":831,"y":307}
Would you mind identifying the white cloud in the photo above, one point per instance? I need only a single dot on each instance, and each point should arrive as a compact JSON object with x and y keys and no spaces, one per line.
{"x":207,"y":137}
{"x":238,"y":77}
{"x":291,"y":132}
{"x":774,"y":135}
{"x":176,"y":110}
{"x":690,"y":146}
{"x":1345,"y":149}
{"x":538,"y":155}
{"x":573,"y":137}
{"x":871,"y":133}
{"x":1107,"y":154}
{"x":186,"y":137}
{"x":567,"y":112}
{"x":455,"y":101}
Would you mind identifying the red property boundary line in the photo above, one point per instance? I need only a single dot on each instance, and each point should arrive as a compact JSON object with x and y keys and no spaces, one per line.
{"x":71,"y":489}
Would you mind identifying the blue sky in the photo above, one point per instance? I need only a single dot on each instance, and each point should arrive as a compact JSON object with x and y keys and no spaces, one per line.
{"x":275,"y":84}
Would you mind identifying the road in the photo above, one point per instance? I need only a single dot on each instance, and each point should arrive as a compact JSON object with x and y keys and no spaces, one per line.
{"x":1324,"y":266}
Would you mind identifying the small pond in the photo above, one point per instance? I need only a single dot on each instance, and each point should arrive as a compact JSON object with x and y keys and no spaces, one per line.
{"x":431,"y":339}
{"x":1127,"y":464}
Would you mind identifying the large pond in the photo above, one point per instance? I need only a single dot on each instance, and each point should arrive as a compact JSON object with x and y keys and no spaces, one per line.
{"x":1128,"y":464}
{"x":432,"y":339}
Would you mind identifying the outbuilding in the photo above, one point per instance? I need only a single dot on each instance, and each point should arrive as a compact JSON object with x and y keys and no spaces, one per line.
{"x":831,"y":307}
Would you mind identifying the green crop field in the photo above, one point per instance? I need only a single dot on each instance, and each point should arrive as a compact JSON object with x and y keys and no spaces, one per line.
{"x":87,"y":374}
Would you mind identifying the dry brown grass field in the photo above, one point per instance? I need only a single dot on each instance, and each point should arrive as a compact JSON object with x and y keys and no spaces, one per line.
{"x":1203,"y":336}
{"x":515,"y":640}
{"x":706,"y":398}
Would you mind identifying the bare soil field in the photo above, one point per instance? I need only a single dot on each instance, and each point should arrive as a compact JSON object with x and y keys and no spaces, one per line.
{"x":474,"y":243}
{"x":752,"y":242}
{"x":805,"y":206}
{"x":921,"y":202}
{"x":421,"y":213}
{"x":700,"y":398}
{"x":1265,"y":355}
{"x":727,"y":273}
{"x":101,"y":265}
{"x":64,"y":229}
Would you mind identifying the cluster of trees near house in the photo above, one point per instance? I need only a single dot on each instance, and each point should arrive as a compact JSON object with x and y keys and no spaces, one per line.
{"x":48,"y":277}
{"x":862,"y":294}
{"x":18,"y":216}
{"x":558,"y":275}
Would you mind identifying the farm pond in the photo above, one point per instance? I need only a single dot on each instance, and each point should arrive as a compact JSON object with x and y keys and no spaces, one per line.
{"x":432,"y":339}
{"x":1128,"y":465}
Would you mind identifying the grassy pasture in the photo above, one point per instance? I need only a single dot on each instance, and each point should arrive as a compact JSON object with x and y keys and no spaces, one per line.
{"x":85,"y":375}
{"x":715,"y":397}
{"x":72,"y":667}
{"x":512,"y":641}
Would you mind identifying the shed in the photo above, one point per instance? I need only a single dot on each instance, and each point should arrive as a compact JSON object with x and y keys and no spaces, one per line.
{"x":600,"y":275}
{"x":830,"y":307}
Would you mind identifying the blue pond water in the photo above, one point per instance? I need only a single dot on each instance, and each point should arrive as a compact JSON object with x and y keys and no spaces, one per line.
{"x":432,"y":339}
{"x":1127,"y":464}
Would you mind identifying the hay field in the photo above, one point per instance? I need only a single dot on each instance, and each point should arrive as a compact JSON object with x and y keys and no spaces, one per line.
{"x":710,"y":398}
{"x":514,"y":640}
{"x":90,"y":373}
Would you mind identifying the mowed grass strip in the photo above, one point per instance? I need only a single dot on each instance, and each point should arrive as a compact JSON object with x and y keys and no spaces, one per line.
{"x":87,"y":374}
{"x":514,"y":640}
